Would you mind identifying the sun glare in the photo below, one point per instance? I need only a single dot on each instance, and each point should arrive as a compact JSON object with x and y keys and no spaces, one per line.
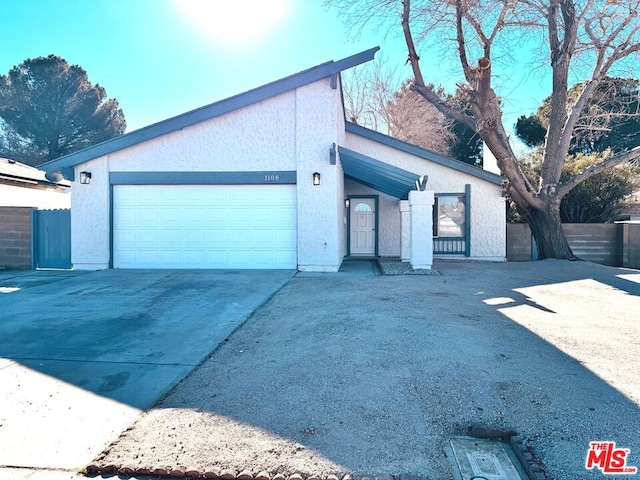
{"x":238,"y":22}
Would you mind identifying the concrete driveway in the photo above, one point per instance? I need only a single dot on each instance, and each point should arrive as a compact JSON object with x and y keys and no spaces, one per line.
{"x":82,"y":354}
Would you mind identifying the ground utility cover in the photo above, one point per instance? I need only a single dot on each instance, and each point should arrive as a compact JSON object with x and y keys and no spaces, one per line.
{"x":480,"y":459}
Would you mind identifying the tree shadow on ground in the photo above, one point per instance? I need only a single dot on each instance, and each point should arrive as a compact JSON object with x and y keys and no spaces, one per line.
{"x":374,"y":375}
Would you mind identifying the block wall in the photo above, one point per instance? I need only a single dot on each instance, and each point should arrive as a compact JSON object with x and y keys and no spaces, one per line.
{"x":15,"y":237}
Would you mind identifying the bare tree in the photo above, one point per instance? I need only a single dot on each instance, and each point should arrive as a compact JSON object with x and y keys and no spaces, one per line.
{"x":406,"y":112}
{"x":595,"y":37}
{"x":367,"y":90}
{"x":374,"y":98}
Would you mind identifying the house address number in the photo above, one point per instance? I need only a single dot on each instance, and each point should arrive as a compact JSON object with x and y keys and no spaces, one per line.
{"x":284,"y":177}
{"x":276,"y":176}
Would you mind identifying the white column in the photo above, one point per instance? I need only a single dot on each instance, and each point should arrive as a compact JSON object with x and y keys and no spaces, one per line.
{"x":421,"y":214}
{"x":405,"y":231}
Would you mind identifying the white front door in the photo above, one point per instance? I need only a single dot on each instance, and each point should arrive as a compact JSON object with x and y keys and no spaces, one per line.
{"x":363,"y":226}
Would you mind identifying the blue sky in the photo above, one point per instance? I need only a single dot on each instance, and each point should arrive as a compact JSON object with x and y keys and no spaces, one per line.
{"x":160,"y":58}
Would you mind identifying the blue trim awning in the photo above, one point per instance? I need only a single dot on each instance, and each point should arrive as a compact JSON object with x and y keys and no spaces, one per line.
{"x":378,"y":175}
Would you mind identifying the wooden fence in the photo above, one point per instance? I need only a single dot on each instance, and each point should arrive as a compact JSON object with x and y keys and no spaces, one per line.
{"x":615,"y":244}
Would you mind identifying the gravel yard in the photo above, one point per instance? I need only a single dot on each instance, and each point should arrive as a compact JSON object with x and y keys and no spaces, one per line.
{"x":372,"y":376}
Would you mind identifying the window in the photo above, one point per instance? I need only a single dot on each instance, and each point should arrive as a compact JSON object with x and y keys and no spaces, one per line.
{"x":449,"y":216}
{"x":363,"y":207}
{"x":451,"y":223}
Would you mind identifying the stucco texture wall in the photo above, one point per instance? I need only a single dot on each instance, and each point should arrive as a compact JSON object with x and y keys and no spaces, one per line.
{"x":292,"y":131}
{"x":488,"y":213}
{"x":256,"y":138}
{"x":320,"y":208}
{"x":90,"y":217}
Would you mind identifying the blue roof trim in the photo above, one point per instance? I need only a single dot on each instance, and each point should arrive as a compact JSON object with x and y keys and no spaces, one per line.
{"x":378,"y":175}
{"x":422,"y":153}
{"x":213,"y":110}
{"x":286,"y":177}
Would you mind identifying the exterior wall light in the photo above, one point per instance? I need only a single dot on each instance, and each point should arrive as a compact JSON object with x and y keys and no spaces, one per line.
{"x":85,"y":178}
{"x":316,"y":179}
{"x":347,"y":202}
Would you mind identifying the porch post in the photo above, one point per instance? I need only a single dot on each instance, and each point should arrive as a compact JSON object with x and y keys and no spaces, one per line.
{"x":421,"y":215}
{"x":405,"y":231}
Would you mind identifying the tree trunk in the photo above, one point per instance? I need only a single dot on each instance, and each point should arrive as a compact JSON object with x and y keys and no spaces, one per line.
{"x":546,"y":228}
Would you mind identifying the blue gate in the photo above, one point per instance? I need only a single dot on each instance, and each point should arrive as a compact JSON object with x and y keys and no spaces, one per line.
{"x":52,"y":238}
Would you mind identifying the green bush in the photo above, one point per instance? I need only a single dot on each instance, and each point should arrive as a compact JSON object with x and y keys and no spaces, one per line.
{"x":600,"y":199}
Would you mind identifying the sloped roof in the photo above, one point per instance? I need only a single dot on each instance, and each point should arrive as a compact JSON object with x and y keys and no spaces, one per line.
{"x":22,"y":173}
{"x":324,"y":70}
{"x":423,"y":153}
{"x":378,"y":175}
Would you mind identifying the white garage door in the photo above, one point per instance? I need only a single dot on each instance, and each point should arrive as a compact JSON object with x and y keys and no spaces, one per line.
{"x":204,"y":226}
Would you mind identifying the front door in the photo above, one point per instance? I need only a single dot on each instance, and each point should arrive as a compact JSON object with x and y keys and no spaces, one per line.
{"x":362,"y":229}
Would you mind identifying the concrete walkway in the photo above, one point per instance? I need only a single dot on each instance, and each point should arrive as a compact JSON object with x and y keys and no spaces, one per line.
{"x":349,"y":268}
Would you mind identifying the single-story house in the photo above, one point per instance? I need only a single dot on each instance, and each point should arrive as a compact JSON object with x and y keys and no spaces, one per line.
{"x":275,"y":178}
{"x":26,"y":186}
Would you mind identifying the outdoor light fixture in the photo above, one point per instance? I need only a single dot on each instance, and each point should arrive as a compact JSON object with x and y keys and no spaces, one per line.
{"x":347,"y":202}
{"x":316,"y":179}
{"x":85,"y":177}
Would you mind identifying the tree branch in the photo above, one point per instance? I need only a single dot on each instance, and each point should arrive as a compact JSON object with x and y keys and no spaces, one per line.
{"x":443,"y":107}
{"x":418,"y":85}
{"x":560,"y":123}
{"x":613,"y":161}
{"x":462,"y":47}
{"x":414,"y":59}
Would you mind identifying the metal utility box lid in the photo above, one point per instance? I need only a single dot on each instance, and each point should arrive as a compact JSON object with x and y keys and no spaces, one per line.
{"x":481,"y":459}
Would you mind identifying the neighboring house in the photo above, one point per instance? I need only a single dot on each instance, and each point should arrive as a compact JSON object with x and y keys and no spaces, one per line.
{"x":275,"y":178}
{"x":25,"y":186}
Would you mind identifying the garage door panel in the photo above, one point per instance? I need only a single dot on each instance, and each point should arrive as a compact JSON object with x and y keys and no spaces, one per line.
{"x":145,"y":216}
{"x":191,"y":226}
{"x":127,"y":216}
{"x":170,"y":239}
{"x":147,"y":239}
{"x":144,"y":197}
{"x":285,"y":216}
{"x":169,"y":257}
{"x":170,"y":215}
{"x":215,"y":218}
{"x":286,"y":239}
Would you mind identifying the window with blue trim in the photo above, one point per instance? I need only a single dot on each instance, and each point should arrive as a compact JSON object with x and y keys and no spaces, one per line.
{"x":449,"y":216}
{"x":451,"y":224}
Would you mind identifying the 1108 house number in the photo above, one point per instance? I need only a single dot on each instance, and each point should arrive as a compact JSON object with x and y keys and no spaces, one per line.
{"x":271,"y":178}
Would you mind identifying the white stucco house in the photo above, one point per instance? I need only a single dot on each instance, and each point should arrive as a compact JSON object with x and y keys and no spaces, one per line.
{"x":275,"y":178}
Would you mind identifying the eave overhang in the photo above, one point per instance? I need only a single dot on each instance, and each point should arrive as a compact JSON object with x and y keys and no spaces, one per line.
{"x":378,"y":175}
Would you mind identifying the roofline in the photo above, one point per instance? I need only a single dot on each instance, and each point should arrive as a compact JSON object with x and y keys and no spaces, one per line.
{"x":269,"y":90}
{"x":28,"y":174}
{"x":422,"y":153}
{"x":31,"y":181}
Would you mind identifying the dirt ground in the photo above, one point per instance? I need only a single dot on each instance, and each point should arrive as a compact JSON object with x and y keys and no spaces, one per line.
{"x":374,"y":375}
